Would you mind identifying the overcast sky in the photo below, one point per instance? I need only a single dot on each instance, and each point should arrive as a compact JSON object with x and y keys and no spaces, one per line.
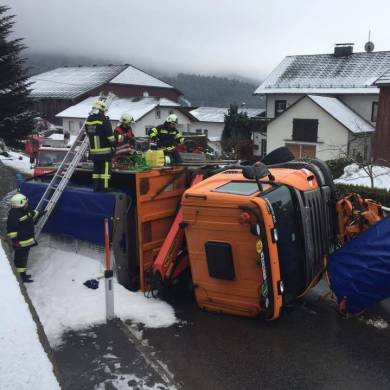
{"x":246,"y":37}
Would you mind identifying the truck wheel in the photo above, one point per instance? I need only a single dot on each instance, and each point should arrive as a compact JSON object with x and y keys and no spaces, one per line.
{"x":277,"y":156}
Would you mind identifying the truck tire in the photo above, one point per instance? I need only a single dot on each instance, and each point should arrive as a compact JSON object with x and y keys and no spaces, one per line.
{"x":277,"y":156}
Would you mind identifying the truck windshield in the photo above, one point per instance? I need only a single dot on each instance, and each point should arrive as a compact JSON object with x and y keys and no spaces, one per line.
{"x":48,"y":158}
{"x":290,"y":243}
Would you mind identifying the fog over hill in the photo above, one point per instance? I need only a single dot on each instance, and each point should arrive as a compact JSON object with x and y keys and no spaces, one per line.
{"x":200,"y":90}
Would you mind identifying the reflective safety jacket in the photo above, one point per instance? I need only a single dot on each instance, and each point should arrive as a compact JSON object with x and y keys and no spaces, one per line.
{"x":20,"y":226}
{"x":101,"y":137}
{"x":165,"y":136}
{"x":124,"y":134}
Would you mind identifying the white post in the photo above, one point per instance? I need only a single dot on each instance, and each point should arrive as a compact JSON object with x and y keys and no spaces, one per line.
{"x":108,"y":275}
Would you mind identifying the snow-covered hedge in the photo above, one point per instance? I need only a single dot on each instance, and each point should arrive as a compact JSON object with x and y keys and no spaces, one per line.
{"x":378,"y":194}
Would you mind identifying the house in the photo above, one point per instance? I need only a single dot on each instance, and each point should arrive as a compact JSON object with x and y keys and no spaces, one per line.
{"x":211,"y":121}
{"x":345,"y":77}
{"x":147,"y":112}
{"x":323,"y":127}
{"x":382,"y":136}
{"x":58,"y":89}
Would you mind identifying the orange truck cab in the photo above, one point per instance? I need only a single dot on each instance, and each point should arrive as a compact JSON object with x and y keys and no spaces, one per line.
{"x":254,"y":245}
{"x":48,"y":159}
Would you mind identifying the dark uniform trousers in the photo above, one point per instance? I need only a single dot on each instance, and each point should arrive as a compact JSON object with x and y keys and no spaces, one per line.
{"x":101,"y":174}
{"x":20,"y":259}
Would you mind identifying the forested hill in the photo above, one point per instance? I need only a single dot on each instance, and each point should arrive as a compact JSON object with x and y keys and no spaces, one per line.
{"x":216,"y":91}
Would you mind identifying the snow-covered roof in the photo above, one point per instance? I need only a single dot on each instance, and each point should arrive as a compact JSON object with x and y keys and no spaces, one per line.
{"x":343,"y":114}
{"x":325,"y":73}
{"x":70,"y":82}
{"x":216,"y":114}
{"x":134,"y":76}
{"x":384,"y":79}
{"x":137,"y":107}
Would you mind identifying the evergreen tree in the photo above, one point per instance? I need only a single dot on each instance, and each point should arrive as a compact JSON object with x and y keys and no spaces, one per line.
{"x":16,"y":118}
{"x":236,"y":132}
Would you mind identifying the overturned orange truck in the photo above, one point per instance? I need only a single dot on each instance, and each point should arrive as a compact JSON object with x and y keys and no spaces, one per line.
{"x":258,"y":238}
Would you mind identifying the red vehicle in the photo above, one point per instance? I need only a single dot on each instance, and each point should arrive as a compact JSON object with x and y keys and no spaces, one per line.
{"x":48,"y":160}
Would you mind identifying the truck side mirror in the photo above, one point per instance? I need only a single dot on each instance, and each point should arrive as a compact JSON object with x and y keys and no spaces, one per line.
{"x":248,"y":173}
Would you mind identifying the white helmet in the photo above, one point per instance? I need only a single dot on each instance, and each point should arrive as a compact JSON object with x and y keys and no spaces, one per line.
{"x":18,"y":201}
{"x":127,"y":119}
{"x":100,"y":105}
{"x":172,"y":118}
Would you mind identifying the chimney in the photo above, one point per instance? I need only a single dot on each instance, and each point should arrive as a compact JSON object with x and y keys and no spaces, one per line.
{"x":343,"y":49}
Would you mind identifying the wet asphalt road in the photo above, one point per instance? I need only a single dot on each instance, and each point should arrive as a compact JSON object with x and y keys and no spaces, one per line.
{"x":310,"y":347}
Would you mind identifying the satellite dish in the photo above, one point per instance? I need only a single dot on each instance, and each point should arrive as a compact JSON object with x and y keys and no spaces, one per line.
{"x":369,"y":47}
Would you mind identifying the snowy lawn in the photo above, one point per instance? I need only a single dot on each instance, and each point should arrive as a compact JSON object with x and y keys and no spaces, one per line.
{"x":23,"y":361}
{"x":357,"y":176}
{"x":64,"y":303}
{"x":18,"y":161}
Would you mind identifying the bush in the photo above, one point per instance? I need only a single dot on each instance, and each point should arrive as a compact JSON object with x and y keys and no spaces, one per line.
{"x":380,"y":195}
{"x":337,"y":166}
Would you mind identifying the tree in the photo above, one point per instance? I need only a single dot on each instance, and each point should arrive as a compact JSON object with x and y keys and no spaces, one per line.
{"x":236,"y":132}
{"x":16,"y":117}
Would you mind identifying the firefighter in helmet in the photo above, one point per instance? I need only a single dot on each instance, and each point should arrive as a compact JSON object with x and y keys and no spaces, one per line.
{"x":101,"y":145}
{"x":123,"y":132}
{"x":20,"y":229}
{"x":167,"y":136}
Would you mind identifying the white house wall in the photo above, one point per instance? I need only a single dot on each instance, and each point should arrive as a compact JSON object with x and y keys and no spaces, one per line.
{"x":362,"y":104}
{"x":214,"y":129}
{"x":290,"y":99}
{"x":332,"y":136}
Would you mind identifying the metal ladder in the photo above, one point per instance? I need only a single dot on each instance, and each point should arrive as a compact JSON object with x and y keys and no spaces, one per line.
{"x":64,"y":172}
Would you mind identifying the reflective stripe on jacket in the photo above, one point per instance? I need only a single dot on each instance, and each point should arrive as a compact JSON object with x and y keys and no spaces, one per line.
{"x":165,"y":137}
{"x":100,"y":134}
{"x":20,"y":226}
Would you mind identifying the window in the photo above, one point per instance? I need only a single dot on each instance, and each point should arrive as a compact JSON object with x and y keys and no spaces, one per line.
{"x":158,"y":113}
{"x":148,"y":129}
{"x":198,"y":131}
{"x":206,"y":132}
{"x":374,"y":111}
{"x":290,"y":244}
{"x":70,"y":126}
{"x":305,"y":130}
{"x":280,"y":106}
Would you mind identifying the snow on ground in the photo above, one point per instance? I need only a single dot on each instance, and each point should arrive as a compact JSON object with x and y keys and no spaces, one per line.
{"x":24,"y":363}
{"x":64,"y":303}
{"x":17,"y":161}
{"x":357,"y":176}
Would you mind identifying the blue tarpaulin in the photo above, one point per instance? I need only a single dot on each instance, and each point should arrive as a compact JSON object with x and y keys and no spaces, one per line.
{"x":80,"y":212}
{"x":359,"y":272}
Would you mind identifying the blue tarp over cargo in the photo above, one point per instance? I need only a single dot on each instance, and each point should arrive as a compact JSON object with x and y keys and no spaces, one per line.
{"x":359,"y":272}
{"x":80,"y":212}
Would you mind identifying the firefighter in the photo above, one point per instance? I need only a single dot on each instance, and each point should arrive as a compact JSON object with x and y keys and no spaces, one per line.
{"x":167,"y":136}
{"x":123,"y":132}
{"x":20,"y":229}
{"x":101,"y":145}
